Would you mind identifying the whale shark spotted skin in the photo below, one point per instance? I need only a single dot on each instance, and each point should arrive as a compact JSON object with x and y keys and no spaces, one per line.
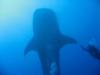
{"x":47,"y":40}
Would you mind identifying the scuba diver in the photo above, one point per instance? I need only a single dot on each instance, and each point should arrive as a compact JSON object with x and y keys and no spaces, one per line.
{"x":92,"y":49}
{"x":48,"y":40}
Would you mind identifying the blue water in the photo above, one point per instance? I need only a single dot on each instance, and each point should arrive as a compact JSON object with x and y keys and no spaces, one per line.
{"x":79,"y":19}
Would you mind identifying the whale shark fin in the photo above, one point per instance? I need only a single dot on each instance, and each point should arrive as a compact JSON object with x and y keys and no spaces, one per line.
{"x":67,"y":40}
{"x":30,"y":46}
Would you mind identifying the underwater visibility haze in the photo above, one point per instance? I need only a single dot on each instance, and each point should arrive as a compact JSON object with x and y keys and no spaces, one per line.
{"x":49,"y":36}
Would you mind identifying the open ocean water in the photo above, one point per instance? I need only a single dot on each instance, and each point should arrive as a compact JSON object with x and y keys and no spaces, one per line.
{"x":79,"y":19}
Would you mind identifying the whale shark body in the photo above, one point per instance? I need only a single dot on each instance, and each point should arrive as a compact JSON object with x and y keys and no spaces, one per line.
{"x":48,"y":40}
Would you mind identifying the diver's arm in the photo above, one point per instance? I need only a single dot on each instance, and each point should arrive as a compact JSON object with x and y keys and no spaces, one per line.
{"x":84,"y":48}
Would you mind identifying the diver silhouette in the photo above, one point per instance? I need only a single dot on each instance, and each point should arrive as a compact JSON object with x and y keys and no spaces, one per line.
{"x":92,"y":50}
{"x":47,"y":40}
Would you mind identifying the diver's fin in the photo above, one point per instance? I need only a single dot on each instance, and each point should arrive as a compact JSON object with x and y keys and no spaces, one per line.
{"x":30,"y":46}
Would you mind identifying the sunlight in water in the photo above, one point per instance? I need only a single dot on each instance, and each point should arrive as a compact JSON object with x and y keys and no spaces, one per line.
{"x":13,"y":8}
{"x":9,"y":7}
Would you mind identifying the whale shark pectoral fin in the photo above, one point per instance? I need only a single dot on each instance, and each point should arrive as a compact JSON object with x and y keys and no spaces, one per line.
{"x":30,"y":46}
{"x":68,"y":40}
{"x":65,"y":40}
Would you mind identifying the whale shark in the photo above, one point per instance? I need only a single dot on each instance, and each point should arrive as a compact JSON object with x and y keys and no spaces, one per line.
{"x":47,"y":40}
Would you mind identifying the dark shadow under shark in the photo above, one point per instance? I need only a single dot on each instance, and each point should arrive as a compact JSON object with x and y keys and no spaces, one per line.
{"x":48,"y":40}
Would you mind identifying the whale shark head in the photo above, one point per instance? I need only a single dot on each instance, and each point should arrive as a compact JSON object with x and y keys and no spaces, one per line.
{"x":45,"y":23}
